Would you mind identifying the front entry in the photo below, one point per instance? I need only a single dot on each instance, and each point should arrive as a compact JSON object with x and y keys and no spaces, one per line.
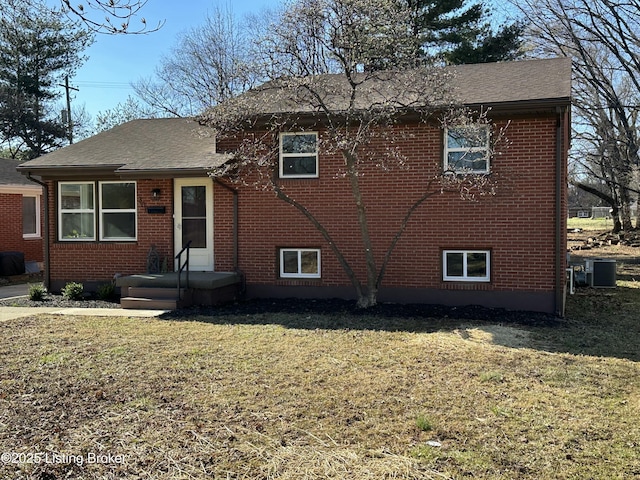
{"x":193,"y":220}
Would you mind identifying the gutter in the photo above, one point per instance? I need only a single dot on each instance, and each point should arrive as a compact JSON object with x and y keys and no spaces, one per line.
{"x":560,"y":255}
{"x":45,"y":206}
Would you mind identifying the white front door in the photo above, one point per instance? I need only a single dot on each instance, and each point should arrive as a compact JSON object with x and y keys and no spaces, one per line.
{"x":193,"y":221}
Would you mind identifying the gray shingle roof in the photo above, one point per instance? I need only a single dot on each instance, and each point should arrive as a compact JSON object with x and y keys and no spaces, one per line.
{"x":153,"y":145}
{"x":9,"y":175}
{"x":531,"y":82}
{"x":509,"y":82}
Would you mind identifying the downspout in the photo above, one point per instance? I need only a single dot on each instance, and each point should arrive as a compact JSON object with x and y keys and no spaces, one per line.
{"x":235,"y":223}
{"x":45,"y":206}
{"x":560,"y":254}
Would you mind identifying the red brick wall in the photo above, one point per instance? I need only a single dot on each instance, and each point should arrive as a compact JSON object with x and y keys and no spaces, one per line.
{"x":97,"y":262}
{"x":11,"y":239}
{"x":517,"y":225}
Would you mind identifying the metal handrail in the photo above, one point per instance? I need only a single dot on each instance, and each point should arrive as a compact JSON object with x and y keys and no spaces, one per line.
{"x":182,"y":266}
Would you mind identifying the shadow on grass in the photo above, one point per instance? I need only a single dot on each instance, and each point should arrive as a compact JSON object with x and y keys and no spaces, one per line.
{"x":599,"y":322}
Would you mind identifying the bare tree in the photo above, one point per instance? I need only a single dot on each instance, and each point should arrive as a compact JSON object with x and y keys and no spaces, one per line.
{"x":123,"y":112}
{"x":209,"y":64}
{"x":602,"y":37}
{"x":324,"y":49}
{"x":110,"y":16}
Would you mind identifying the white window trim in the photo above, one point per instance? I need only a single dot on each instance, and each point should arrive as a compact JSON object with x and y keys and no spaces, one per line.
{"x":448,"y":150}
{"x":97,"y":211}
{"x":38,"y":232}
{"x":282,"y":156}
{"x":133,"y":210}
{"x":61,"y":211}
{"x":465,"y":277}
{"x":300,"y":274}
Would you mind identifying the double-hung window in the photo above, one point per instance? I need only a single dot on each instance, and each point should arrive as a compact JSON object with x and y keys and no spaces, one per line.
{"x":112,"y":213}
{"x":117,"y":211}
{"x":76,"y":210}
{"x":466,"y":265}
{"x":298,"y":155}
{"x":300,"y":263}
{"x":466,"y":149}
{"x":31,"y":216}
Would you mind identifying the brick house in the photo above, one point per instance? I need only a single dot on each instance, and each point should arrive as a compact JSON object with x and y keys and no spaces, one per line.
{"x":21,"y":213}
{"x":145,"y":183}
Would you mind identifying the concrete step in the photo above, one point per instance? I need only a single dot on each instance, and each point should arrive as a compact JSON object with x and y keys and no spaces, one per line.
{"x":140,"y":303}
{"x":155,"y":298}
{"x":154,"y":292}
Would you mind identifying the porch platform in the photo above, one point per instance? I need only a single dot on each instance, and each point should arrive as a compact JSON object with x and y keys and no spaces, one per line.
{"x":205,"y":288}
{"x":200,"y":280}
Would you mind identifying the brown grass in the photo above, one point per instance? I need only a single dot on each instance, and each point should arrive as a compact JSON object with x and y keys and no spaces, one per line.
{"x":233,"y":397}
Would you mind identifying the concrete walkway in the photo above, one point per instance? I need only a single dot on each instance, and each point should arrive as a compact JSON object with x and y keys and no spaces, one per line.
{"x":10,"y":313}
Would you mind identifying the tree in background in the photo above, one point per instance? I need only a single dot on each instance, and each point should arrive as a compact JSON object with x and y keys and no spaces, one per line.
{"x":131,"y":109}
{"x":110,"y":16}
{"x":357,"y":107}
{"x":225,"y":56}
{"x":209,"y":64}
{"x":37,"y":50}
{"x":602,"y":38}
{"x":460,"y":32}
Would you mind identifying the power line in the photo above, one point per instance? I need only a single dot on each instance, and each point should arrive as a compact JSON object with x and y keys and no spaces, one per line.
{"x":105,"y":85}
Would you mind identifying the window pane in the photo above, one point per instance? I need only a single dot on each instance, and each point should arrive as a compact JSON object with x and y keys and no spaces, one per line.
{"x":119,"y":196}
{"x":77,"y":225}
{"x":119,"y":225}
{"x":310,"y":262}
{"x":290,"y":262}
{"x":194,"y":229}
{"x":75,"y":196}
{"x":29,"y":216}
{"x":467,"y":161}
{"x":299,"y":166}
{"x":477,"y":264}
{"x":455,"y":264}
{"x":467,"y":137}
{"x":299,"y":143}
{"x":194,"y":201}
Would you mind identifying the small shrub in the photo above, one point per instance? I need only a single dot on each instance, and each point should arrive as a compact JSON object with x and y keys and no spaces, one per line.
{"x":73,"y":291}
{"x":423,"y":423}
{"x":106,"y":291}
{"x":37,"y":292}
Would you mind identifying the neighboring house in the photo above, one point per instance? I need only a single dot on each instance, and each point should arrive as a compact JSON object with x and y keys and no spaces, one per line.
{"x":21,"y":213}
{"x":142,"y":184}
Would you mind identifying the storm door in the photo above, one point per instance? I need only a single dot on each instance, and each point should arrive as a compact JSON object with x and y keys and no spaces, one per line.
{"x":193,"y":221}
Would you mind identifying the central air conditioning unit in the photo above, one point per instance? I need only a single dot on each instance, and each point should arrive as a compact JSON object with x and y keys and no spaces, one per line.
{"x":601,"y":273}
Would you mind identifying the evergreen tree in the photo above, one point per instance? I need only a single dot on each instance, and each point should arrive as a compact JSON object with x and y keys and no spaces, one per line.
{"x":37,"y":50}
{"x":462,"y":33}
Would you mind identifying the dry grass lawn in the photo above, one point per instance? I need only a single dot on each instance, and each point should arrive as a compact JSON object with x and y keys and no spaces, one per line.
{"x":269,"y":396}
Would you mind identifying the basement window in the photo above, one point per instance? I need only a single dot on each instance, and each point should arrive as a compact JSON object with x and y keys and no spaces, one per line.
{"x":300,"y":263}
{"x":466,"y":265}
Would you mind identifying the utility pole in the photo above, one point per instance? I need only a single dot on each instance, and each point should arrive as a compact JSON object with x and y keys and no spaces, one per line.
{"x":69,"y":119}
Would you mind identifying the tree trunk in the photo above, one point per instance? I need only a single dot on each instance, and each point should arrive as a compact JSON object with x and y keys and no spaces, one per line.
{"x":370,"y":298}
